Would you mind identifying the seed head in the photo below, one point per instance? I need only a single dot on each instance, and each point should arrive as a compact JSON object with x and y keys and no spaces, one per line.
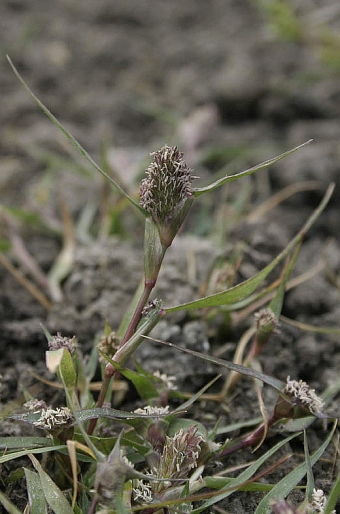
{"x":167,"y":184}
{"x":52,"y":419}
{"x":149,"y":410}
{"x":265,"y":319}
{"x":318,"y":502}
{"x":180,"y":455}
{"x":302,"y":395}
{"x":142,"y":492}
{"x":59,"y":341}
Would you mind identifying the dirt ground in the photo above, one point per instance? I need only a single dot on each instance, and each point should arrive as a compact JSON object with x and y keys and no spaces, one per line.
{"x":218,"y":79}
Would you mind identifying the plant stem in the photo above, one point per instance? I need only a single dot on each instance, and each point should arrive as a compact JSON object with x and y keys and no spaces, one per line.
{"x":110,"y":371}
{"x":93,"y":506}
{"x":154,"y":252}
{"x":250,"y":439}
{"x":148,"y":286}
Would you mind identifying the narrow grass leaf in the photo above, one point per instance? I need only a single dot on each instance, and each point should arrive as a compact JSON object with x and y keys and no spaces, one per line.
{"x":311,"y":328}
{"x":235,"y":427}
{"x":265,"y":164}
{"x":72,"y":139}
{"x":244,"y":289}
{"x":244,"y":370}
{"x":36,"y":497}
{"x":11,"y":443}
{"x":107,"y":412}
{"x":54,"y":496}
{"x":333,"y":497}
{"x":277,"y":302}
{"x":224,"y":482}
{"x":31,"y":218}
{"x":243,"y":477}
{"x":287,"y":484}
{"x":23,"y":453}
{"x":309,"y":468}
{"x":186,"y":405}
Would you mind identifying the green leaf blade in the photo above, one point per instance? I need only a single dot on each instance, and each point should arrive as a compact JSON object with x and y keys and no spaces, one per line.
{"x":287,"y":484}
{"x":73,"y":140}
{"x":229,"y":178}
{"x":243,"y":477}
{"x":246,"y":288}
{"x":23,"y":453}
{"x":54,"y":496}
{"x":36,"y":497}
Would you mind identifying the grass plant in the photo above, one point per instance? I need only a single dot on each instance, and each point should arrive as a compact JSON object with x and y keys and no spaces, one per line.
{"x":159,"y":458}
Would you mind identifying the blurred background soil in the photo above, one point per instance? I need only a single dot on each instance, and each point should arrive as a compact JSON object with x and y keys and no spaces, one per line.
{"x":233,"y":83}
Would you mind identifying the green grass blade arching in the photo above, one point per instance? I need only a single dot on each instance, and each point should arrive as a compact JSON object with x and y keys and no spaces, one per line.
{"x":23,"y":453}
{"x":244,"y":370}
{"x":277,"y":302}
{"x":246,"y":288}
{"x":229,"y":178}
{"x":72,"y":139}
{"x":242,"y":477}
{"x":36,"y":497}
{"x":12,"y":443}
{"x":287,"y":484}
{"x":54,"y":496}
{"x":333,"y":497}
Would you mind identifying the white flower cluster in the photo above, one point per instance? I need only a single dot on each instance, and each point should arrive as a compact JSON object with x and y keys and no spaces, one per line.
{"x":318,"y":502}
{"x":301,"y":394}
{"x":149,"y":410}
{"x":142,"y":492}
{"x":52,"y":418}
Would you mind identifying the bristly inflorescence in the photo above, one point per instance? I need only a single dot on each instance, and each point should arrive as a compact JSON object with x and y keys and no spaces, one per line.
{"x":316,"y":505}
{"x":180,"y":454}
{"x":142,"y":492}
{"x":59,"y":341}
{"x":51,"y":419}
{"x":318,"y":502}
{"x":150,"y":410}
{"x":167,"y":185}
{"x":301,"y":394}
{"x":265,"y":319}
{"x":176,"y":461}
